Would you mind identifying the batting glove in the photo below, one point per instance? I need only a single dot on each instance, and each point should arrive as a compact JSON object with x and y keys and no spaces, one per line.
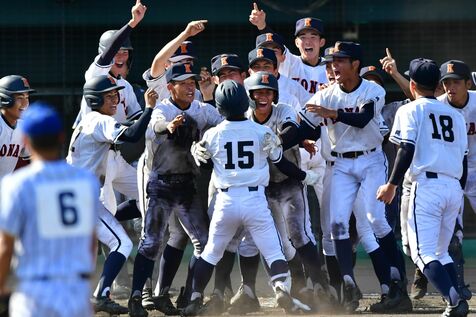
{"x":311,"y":178}
{"x":200,"y":153}
{"x":272,"y":146}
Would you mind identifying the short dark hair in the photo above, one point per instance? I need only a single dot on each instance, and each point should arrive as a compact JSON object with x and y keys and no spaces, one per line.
{"x":424,"y":88}
{"x":46,"y":142}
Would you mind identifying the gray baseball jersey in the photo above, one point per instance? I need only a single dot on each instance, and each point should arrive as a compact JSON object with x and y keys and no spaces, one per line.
{"x":11,"y":147}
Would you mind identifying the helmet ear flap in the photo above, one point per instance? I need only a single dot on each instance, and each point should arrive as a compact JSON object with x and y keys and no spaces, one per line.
{"x":94,"y":101}
{"x":6,"y":101}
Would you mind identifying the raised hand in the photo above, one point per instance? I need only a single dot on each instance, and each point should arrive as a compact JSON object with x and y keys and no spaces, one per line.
{"x":150,"y":98}
{"x":206,"y":84}
{"x":138,"y":12}
{"x":258,"y":17}
{"x":388,"y":63}
{"x":175,"y":123}
{"x":195,"y":27}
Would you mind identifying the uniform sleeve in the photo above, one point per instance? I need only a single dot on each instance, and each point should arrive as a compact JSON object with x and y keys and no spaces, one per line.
{"x":97,"y":70}
{"x":108,"y":130}
{"x":159,"y":84}
{"x":133,"y":108}
{"x":212,"y":115}
{"x":377,"y":97}
{"x":404,"y":127}
{"x":286,"y":67}
{"x":312,"y":119}
{"x":287,"y":115}
{"x":12,"y":216}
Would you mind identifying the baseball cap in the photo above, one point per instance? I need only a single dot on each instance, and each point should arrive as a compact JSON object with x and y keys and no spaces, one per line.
{"x":455,"y":69}
{"x":270,"y":38}
{"x":347,"y":49}
{"x":179,"y":72}
{"x":226,"y":61}
{"x":183,"y":52}
{"x":371,"y":71}
{"x":40,"y":119}
{"x":309,"y":24}
{"x":424,"y":72}
{"x":262,"y":54}
{"x":327,"y":58}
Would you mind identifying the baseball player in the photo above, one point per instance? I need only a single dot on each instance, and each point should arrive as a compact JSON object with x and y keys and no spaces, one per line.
{"x":48,"y":210}
{"x":306,"y":69}
{"x":14,"y":99}
{"x":436,"y":195}
{"x":240,"y":173}
{"x":114,"y":53}
{"x":94,"y":146}
{"x":176,"y":123}
{"x":352,"y":108}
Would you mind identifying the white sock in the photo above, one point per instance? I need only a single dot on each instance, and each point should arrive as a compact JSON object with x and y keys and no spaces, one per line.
{"x":348,"y":280}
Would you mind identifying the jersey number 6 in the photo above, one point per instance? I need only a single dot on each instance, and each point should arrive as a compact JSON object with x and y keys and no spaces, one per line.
{"x":69,"y":214}
{"x":245,"y":158}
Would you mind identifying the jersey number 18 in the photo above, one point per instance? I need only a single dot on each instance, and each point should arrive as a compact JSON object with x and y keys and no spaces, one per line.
{"x":446,"y":124}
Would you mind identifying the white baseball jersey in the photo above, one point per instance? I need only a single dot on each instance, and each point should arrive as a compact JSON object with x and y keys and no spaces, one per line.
{"x":128,"y":107}
{"x":469,"y":114}
{"x":51,"y":209}
{"x":280,"y":114}
{"x":308,"y":76}
{"x":170,"y":154}
{"x":343,"y":137}
{"x":91,"y":141}
{"x":287,"y":85}
{"x":159,"y":84}
{"x":237,"y":154}
{"x":11,"y":147}
{"x":438,"y":133}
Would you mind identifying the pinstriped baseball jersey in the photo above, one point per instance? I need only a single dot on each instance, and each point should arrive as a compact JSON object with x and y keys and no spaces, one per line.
{"x":128,"y":106}
{"x":91,"y":140}
{"x":170,"y":153}
{"x":237,"y":154}
{"x":438,"y":133}
{"x":280,"y":115}
{"x":343,"y":137}
{"x":51,"y":208}
{"x":11,"y":147}
{"x":308,"y":76}
{"x":292,"y":87}
{"x":469,"y":114}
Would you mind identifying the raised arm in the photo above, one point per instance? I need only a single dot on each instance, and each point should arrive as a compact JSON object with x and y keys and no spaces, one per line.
{"x":390,"y":66}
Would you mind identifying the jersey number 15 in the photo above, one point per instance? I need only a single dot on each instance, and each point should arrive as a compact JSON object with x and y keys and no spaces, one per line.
{"x":245,"y":157}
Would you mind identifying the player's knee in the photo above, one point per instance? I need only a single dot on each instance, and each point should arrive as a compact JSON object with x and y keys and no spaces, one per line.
{"x":126,"y":246}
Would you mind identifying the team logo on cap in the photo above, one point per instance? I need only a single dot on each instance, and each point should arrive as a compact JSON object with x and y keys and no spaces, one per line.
{"x":183,"y":48}
{"x":259,"y":52}
{"x":269,"y":37}
{"x":337,"y":47}
{"x":307,"y":22}
{"x":265,"y":79}
{"x":450,"y":68}
{"x":25,"y":82}
{"x":371,"y":68}
{"x":224,"y":60}
{"x":188,"y":68}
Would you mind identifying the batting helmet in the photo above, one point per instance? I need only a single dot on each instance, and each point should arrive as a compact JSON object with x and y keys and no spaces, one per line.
{"x":12,"y":84}
{"x":94,"y":89}
{"x":262,"y":80}
{"x":231,"y":99}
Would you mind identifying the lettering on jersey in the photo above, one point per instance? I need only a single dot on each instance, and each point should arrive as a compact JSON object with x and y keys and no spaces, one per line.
{"x":259,"y":52}
{"x":311,"y":86}
{"x":224,"y":60}
{"x":307,"y":22}
{"x":269,"y":37}
{"x":183,"y":48}
{"x":471,"y":128}
{"x":12,"y":150}
{"x":265,"y":79}
{"x":188,"y":68}
{"x":449,"y":68}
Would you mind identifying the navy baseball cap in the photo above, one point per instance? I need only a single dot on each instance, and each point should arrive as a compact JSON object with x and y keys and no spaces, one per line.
{"x":347,"y":49}
{"x":270,"y":38}
{"x":179,"y":72}
{"x":309,"y":24}
{"x":327,"y":58}
{"x":262,"y":54}
{"x":455,"y":69}
{"x":40,"y":119}
{"x":226,"y":61}
{"x":371,"y":71}
{"x":425,"y":73}
{"x":183,"y":52}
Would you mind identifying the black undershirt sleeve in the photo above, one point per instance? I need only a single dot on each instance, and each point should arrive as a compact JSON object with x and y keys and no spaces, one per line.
{"x":137,"y":130}
{"x":289,"y":169}
{"x":402,"y":162}
{"x":357,"y":119}
{"x":116,"y":41}
{"x":306,"y":132}
{"x":289,"y":135}
{"x":464,"y":177}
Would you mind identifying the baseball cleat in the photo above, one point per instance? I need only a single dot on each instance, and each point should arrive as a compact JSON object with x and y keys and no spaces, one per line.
{"x":352,"y":295}
{"x":147,"y":299}
{"x":181,"y":300}
{"x":193,"y":308}
{"x":135,"y":307}
{"x":242,"y":303}
{"x":107,"y":305}
{"x":163,"y":304}
{"x":214,"y":306}
{"x":459,"y":310}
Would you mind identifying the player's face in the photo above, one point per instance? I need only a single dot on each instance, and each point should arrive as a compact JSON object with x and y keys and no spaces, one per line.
{"x":21,"y":102}
{"x":309,"y":43}
{"x":264,"y":100}
{"x":344,"y":69}
{"x":457,"y":90}
{"x":231,"y":73}
{"x":277,"y":50}
{"x":331,"y":78}
{"x":120,"y":63}
{"x":111,"y":99}
{"x":263,"y":66}
{"x":183,"y":92}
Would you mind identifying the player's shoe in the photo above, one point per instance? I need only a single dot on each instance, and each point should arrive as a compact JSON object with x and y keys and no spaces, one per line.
{"x":182,"y":301}
{"x":242,"y":303}
{"x":307,"y":296}
{"x":214,"y":306}
{"x":352,"y":295}
{"x":107,"y":305}
{"x":465,"y":292}
{"x":193,"y":308}
{"x":396,"y":301}
{"x":284,"y":300}
{"x":163,"y":304}
{"x":135,"y":307}
{"x":147,"y":299}
{"x":459,"y":310}
{"x":420,"y":285}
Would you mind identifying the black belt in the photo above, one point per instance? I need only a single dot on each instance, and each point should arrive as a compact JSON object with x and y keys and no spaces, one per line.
{"x":353,"y":154}
{"x":251,"y":189}
{"x":431,"y":175}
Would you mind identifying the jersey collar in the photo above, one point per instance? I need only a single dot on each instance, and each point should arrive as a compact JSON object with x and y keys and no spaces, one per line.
{"x":8,"y":124}
{"x":176,"y":105}
{"x":265,"y":120}
{"x":353,"y":89}
{"x":319,"y":61}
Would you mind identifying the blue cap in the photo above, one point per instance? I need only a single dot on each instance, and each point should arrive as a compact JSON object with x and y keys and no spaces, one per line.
{"x":271,"y":39}
{"x":347,"y":49}
{"x":309,"y":24}
{"x":40,"y":119}
{"x":222,"y":61}
{"x":183,"y":52}
{"x":179,"y":72}
{"x":425,"y":73}
{"x":455,"y":69}
{"x":262,"y":54}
